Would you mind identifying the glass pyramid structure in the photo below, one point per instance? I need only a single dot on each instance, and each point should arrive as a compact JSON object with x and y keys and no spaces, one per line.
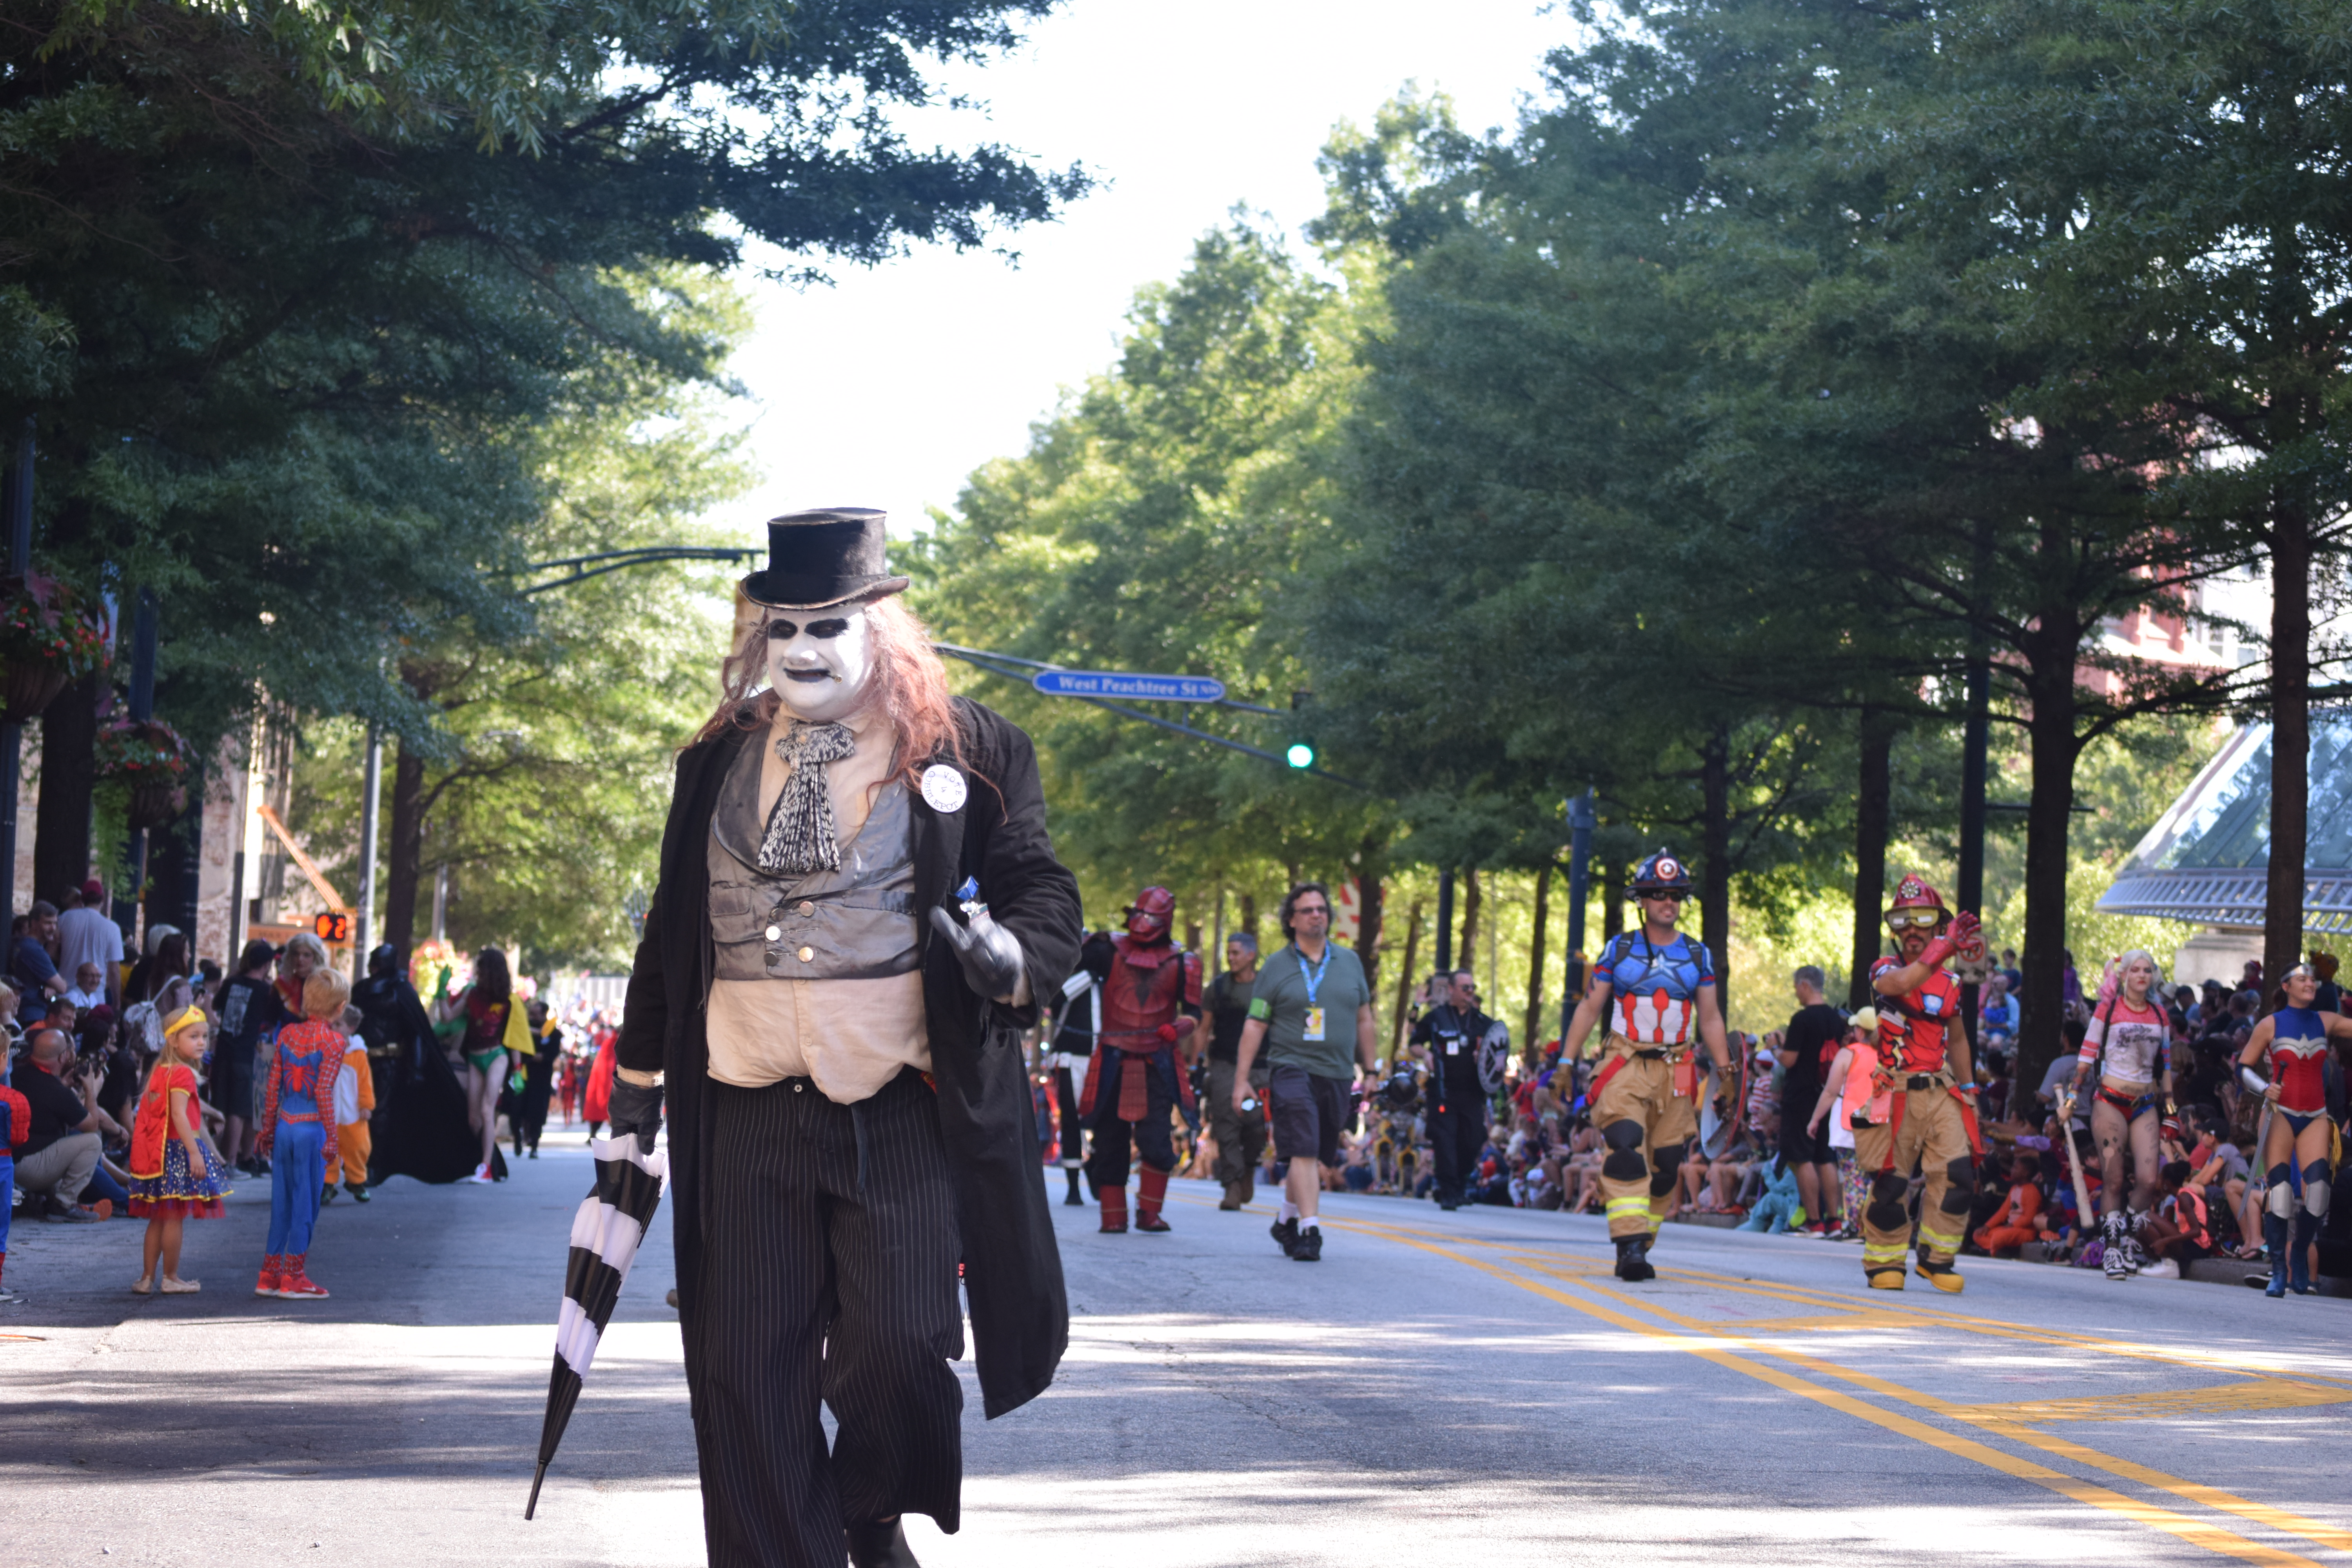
{"x":2207,"y":857}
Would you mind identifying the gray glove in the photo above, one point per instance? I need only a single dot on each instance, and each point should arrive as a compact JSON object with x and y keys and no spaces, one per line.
{"x":990,"y":954}
{"x":637,"y":1108}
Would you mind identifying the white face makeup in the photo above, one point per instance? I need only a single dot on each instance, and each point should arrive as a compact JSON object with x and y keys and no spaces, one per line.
{"x":821,"y":661}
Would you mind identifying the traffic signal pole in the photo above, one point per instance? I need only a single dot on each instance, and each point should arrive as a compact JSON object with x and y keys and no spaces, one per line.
{"x":371,"y":794}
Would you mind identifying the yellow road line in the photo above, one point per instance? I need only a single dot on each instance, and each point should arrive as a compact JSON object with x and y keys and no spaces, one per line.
{"x":2210,"y":1537}
{"x":2315,"y":1530}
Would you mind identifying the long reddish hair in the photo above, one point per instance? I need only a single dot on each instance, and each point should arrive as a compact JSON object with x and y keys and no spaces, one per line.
{"x":910,"y":684}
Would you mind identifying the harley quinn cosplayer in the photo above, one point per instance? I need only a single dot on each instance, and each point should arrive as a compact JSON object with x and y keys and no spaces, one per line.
{"x":2126,"y":1039}
{"x":2299,"y":1150}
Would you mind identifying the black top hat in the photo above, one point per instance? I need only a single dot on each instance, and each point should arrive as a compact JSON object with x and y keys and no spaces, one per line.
{"x":828,"y":556}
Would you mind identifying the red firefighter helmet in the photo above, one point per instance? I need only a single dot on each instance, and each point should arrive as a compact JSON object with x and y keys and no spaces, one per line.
{"x":1914,"y":892}
{"x":1153,"y":911}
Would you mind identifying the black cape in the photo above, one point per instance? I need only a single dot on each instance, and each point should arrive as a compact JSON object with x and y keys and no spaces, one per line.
{"x":419,"y":1127}
{"x":1013,"y":1269}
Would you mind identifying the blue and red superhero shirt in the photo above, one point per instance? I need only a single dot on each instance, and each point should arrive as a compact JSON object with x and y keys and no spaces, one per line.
{"x":1653,"y":989}
{"x":1911,"y":1026}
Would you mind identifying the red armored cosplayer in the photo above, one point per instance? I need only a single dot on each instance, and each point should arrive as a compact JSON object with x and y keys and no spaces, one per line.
{"x":1150,"y":1000}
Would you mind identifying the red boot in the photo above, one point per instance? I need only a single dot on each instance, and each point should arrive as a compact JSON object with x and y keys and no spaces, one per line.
{"x":296,"y":1285}
{"x":1151,"y":1192}
{"x":272,"y":1280}
{"x":1114,"y":1210}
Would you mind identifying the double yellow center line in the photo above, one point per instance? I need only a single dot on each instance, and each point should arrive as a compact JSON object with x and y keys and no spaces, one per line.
{"x":1589,"y":1288}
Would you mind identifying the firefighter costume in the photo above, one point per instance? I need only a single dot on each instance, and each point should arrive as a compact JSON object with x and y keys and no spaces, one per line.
{"x":1150,"y":1000}
{"x":1931,"y":1128}
{"x":1657,"y":987}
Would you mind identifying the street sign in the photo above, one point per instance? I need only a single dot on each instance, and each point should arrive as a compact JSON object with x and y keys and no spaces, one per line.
{"x":1148,"y":687}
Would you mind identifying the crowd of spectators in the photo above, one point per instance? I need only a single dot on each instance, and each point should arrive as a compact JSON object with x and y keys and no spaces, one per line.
{"x":1787,"y":1165}
{"x":83,"y":1022}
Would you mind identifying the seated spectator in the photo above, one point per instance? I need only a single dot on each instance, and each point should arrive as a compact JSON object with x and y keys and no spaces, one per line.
{"x":1997,"y":1014}
{"x":88,"y":989}
{"x":2018,"y":1218}
{"x":58,"y":1161}
{"x":2182,"y":1229}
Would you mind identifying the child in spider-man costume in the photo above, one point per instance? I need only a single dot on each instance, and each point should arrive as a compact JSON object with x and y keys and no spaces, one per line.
{"x":298,"y":1132}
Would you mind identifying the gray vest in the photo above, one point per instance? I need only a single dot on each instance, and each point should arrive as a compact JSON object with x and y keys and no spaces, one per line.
{"x":856,"y":923}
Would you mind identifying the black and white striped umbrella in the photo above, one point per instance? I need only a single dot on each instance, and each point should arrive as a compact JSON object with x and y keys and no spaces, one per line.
{"x":604,"y":1238}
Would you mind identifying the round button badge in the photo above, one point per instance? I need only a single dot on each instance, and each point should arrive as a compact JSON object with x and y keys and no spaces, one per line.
{"x":943,"y":788}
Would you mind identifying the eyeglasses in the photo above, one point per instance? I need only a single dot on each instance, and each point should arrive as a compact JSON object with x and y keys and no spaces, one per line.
{"x":785,"y":631}
{"x":1298,"y":910}
{"x":1915,"y":920}
{"x":1666,"y":898}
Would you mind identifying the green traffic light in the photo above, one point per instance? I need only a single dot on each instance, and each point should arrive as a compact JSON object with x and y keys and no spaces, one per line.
{"x":1301,"y":754}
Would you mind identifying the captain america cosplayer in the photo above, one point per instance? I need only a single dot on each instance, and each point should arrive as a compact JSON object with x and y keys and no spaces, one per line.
{"x":1657,"y":987}
{"x":1931,"y":1125}
{"x":1150,"y":1003}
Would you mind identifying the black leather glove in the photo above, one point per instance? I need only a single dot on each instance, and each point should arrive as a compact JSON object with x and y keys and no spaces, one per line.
{"x":635,"y":1107}
{"x":990,"y":954}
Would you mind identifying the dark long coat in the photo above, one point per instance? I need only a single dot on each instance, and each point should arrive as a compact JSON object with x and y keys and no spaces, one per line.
{"x":1013,"y":1270}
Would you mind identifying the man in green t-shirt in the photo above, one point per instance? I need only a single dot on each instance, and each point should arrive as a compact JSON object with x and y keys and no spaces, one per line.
{"x":1311,"y":1007}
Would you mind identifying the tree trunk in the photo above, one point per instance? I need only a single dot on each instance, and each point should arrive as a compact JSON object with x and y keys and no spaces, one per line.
{"x":1536,"y":966}
{"x":1404,"y":982}
{"x":404,"y":854}
{"x":61,"y":831}
{"x":2290,"y":737}
{"x":1249,"y":915}
{"x":1715,"y":890}
{"x":2050,"y":733}
{"x":1872,"y":815}
{"x":1467,"y":956}
{"x":1368,"y":930}
{"x":1608,"y":876}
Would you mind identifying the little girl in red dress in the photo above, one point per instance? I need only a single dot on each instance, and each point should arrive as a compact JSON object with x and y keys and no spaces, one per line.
{"x":175,"y":1174}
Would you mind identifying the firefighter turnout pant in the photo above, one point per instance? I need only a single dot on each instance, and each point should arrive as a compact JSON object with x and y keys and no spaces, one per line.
{"x":1643,"y":1126}
{"x":1930,"y":1134}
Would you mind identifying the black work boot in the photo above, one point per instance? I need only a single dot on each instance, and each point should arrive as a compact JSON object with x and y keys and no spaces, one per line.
{"x":880,"y":1544}
{"x":1633,"y":1259}
{"x":1074,"y":1200}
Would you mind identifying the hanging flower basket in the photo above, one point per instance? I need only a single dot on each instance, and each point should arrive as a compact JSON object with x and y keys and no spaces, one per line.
{"x":48,"y":639}
{"x":29,"y":689}
{"x":143,"y":754}
{"x":156,"y":805}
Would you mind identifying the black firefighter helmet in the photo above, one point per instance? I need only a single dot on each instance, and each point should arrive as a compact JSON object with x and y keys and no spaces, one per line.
{"x":1662,"y":872}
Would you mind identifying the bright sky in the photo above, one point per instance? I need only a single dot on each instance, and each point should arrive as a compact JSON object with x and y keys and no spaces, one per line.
{"x":890,"y":387}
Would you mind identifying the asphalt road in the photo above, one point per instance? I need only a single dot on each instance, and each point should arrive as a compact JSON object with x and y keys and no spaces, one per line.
{"x":1467,"y":1388}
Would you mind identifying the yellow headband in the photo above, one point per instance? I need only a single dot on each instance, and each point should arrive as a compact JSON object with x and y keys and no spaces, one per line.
{"x":183,"y":1019}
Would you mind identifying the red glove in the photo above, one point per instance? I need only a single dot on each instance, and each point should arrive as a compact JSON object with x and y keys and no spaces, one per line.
{"x":1172,"y":1033}
{"x":1167,"y":1034}
{"x":1961,"y":934}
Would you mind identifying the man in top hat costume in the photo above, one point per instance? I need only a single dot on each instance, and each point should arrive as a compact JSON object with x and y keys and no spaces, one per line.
{"x":1931,"y":1124}
{"x":857,"y":903}
{"x":1657,"y":987}
{"x":1150,"y":1003}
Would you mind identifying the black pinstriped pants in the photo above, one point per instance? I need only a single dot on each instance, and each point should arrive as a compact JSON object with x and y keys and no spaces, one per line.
{"x":828,"y":1273}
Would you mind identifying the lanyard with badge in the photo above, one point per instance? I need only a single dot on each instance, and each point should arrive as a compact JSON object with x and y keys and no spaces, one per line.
{"x":1313,"y":980}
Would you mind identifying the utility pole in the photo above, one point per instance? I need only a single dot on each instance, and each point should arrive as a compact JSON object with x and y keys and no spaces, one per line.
{"x":143,"y":634}
{"x":371,"y":792}
{"x":12,"y":734}
{"x":1445,"y":923}
{"x":1580,"y":823}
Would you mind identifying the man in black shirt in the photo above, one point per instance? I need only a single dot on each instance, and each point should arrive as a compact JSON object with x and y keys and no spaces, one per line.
{"x":57,"y":1160}
{"x":1815,"y":1032}
{"x":1240,"y":1135}
{"x":1447,"y":1040}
